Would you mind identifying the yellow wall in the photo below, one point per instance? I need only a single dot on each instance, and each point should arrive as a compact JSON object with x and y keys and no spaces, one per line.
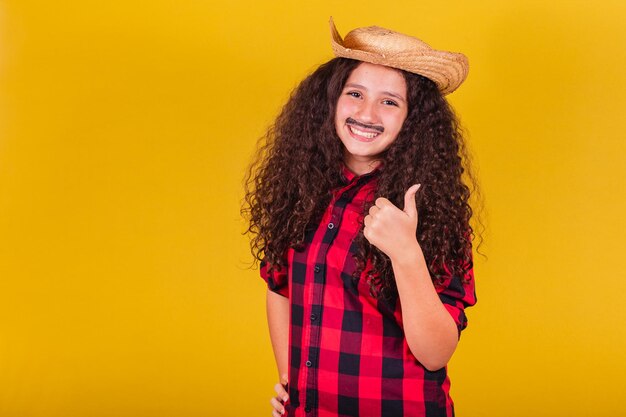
{"x":125,"y":128}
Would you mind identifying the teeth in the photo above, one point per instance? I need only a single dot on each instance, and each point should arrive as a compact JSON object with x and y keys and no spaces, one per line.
{"x":368,"y":135}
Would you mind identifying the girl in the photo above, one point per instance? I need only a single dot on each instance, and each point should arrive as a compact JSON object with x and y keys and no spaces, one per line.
{"x":360,"y":218}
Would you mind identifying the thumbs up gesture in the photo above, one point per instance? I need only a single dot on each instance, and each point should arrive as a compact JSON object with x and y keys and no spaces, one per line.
{"x":391,"y":229}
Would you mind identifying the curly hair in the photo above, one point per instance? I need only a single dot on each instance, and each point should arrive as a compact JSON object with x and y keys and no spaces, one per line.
{"x":290,"y":182}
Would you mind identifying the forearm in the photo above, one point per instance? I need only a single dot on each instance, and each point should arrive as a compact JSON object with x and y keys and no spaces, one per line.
{"x":430,"y":331}
{"x":278,"y":323}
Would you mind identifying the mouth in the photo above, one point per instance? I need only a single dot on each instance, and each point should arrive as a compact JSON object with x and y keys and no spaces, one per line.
{"x":363,"y":132}
{"x":362,"y":135}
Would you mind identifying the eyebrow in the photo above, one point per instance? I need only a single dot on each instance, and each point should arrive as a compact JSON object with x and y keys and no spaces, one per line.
{"x":389,"y":93}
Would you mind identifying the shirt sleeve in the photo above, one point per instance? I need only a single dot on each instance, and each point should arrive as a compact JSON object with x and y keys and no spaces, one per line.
{"x":276,"y":278}
{"x":457,"y":293}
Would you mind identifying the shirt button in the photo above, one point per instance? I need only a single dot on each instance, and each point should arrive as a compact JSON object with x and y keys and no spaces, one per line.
{"x":331,"y":225}
{"x":313,"y":317}
{"x":307,"y":409}
{"x":308,"y":364}
{"x":316,"y":269}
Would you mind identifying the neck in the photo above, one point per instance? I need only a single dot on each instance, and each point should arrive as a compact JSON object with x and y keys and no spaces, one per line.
{"x":361,"y":167}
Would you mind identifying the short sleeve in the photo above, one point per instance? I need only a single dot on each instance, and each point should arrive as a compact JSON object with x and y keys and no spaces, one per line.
{"x":457,"y":293}
{"x":276,"y":278}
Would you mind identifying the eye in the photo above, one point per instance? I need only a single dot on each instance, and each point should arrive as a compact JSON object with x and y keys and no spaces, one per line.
{"x":390,"y":103}
{"x":354,"y":94}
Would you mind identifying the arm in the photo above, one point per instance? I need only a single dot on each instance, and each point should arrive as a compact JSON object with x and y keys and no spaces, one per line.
{"x":430,"y":331}
{"x":278,"y":323}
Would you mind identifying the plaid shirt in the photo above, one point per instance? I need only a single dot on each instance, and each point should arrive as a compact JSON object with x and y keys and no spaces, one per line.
{"x":347,"y":352}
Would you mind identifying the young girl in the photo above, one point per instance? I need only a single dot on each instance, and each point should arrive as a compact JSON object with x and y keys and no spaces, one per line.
{"x":360,"y":218}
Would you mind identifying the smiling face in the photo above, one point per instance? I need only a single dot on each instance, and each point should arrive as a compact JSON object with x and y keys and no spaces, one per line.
{"x":370,"y":112}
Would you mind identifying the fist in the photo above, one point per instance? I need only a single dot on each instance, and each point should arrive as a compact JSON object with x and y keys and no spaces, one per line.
{"x":391,"y":229}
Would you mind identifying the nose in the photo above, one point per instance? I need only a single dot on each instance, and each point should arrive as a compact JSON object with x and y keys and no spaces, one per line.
{"x":367,"y":112}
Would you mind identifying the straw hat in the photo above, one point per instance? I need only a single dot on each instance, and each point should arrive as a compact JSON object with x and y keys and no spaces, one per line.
{"x":385,"y":47}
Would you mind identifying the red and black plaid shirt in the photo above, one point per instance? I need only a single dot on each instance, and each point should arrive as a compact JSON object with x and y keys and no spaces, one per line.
{"x":347,"y":352}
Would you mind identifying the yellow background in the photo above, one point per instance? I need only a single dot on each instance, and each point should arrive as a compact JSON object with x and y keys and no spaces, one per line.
{"x":125,"y":129}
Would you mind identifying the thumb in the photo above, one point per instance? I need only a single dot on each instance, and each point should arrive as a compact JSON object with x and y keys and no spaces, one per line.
{"x":410,"y":207}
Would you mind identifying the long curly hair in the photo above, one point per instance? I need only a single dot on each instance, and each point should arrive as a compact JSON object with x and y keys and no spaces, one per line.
{"x":299,"y":160}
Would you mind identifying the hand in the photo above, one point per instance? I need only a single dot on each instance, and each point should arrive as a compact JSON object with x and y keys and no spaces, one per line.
{"x":281,"y":397}
{"x":390,"y":229}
